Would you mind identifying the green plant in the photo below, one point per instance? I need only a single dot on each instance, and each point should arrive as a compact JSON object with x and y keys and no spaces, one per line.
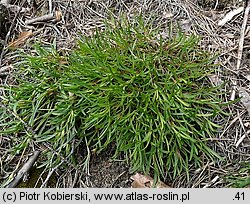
{"x":241,"y":179}
{"x":147,"y":95}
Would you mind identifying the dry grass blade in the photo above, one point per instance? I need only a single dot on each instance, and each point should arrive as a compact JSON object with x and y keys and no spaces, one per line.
{"x":23,"y":36}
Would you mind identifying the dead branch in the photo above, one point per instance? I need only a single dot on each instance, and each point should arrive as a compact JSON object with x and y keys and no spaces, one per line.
{"x":24,"y":170}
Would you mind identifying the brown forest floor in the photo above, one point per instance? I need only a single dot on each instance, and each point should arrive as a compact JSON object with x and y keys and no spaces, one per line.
{"x":72,"y":18}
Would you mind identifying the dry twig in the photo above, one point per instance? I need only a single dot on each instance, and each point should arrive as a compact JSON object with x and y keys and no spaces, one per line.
{"x":49,"y":17}
{"x":24,"y":170}
{"x":241,"y":44}
{"x":212,"y":181}
{"x":230,"y":15}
